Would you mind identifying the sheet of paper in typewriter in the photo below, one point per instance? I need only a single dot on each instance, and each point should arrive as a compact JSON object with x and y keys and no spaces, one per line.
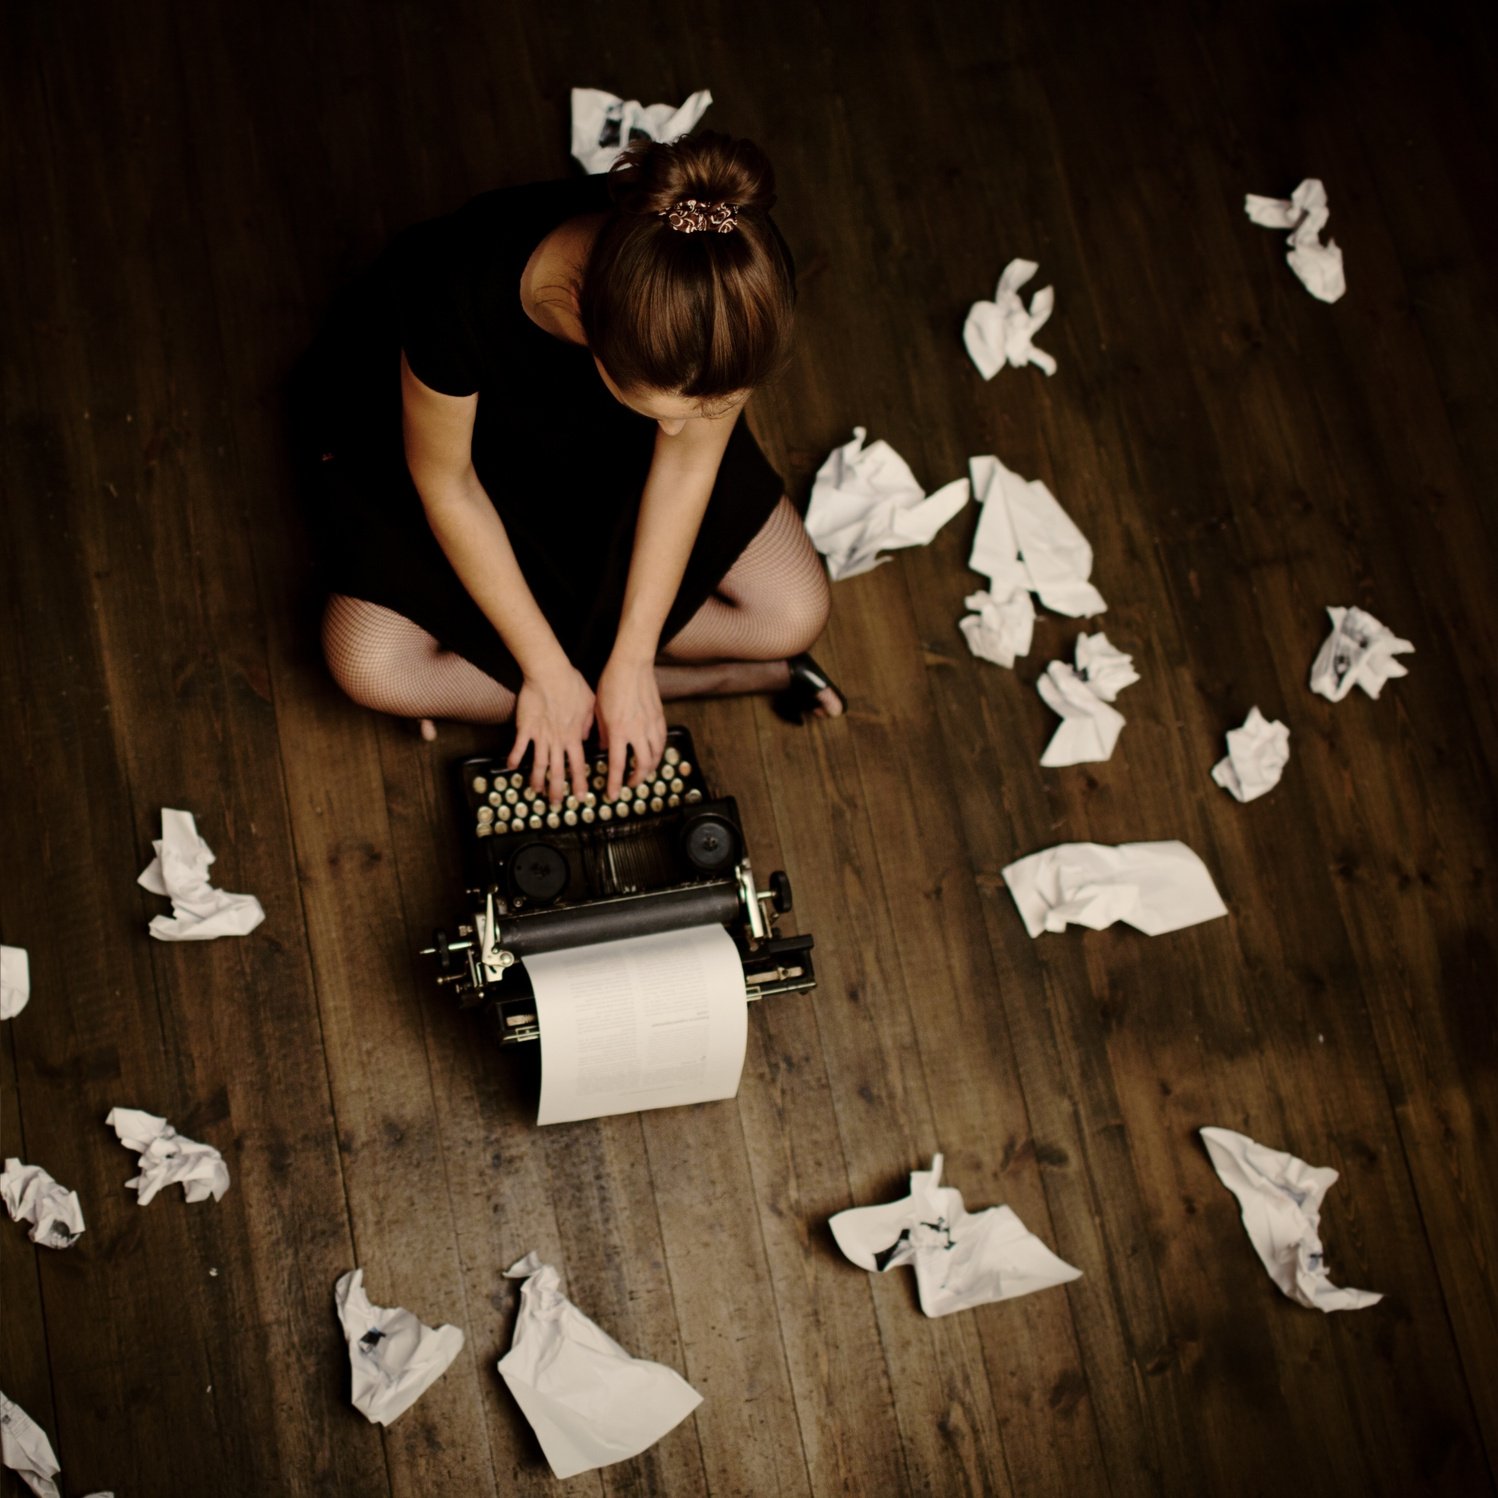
{"x":647,"y":1022}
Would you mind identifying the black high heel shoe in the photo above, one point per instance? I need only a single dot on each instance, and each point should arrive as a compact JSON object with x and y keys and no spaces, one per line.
{"x":800,"y":698}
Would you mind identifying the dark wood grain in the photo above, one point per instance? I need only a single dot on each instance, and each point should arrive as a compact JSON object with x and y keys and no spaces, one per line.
{"x":187,"y":185}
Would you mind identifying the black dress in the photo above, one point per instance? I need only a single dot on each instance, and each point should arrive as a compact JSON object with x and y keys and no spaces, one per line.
{"x":563,"y":462}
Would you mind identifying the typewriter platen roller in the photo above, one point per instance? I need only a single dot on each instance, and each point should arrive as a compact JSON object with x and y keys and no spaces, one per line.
{"x":663,"y":856}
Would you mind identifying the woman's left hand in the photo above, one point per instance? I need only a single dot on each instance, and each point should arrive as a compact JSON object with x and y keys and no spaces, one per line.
{"x":630,"y":716}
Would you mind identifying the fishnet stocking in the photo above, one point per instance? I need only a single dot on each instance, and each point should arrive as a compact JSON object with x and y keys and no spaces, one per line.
{"x":384,"y":661}
{"x":772,"y":604}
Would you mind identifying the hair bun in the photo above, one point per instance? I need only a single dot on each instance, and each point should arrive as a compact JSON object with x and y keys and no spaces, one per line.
{"x":652,"y":177}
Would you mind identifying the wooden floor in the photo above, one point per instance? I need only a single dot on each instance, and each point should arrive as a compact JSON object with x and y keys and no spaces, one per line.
{"x":185,"y":186}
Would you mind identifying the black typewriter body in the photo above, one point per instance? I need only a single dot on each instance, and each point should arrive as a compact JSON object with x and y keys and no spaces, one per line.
{"x":663,"y":856}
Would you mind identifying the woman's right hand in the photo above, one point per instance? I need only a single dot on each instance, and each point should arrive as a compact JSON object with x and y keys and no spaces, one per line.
{"x":553,"y":715}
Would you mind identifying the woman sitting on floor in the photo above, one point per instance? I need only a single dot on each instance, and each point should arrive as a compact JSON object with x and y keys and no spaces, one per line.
{"x":565,"y":520}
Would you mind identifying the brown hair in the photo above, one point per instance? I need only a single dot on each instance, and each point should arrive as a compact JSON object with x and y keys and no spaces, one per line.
{"x":703,"y":315}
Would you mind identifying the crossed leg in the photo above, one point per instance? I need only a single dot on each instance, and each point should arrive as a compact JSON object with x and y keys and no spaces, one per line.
{"x":771,"y":605}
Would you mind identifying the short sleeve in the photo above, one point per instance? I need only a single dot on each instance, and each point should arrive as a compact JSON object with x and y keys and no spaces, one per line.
{"x":436,"y":333}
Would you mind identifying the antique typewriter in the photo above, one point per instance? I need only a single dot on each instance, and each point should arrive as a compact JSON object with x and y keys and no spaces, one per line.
{"x":664,"y":856}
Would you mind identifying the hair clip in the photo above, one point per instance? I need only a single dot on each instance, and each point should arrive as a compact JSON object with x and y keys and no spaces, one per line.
{"x":688,"y":216}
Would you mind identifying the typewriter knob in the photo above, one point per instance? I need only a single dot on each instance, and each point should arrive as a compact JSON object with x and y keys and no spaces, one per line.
{"x":443,"y":953}
{"x":780,"y":891}
{"x":538,"y":872}
{"x":709,"y":843}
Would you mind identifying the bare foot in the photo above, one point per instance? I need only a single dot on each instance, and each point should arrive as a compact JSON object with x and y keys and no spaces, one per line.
{"x":428,"y":730}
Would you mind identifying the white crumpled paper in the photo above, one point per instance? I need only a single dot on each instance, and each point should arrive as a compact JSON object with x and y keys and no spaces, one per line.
{"x":31,"y":1195}
{"x":999,"y":332}
{"x":1318,"y":265}
{"x":15,"y":981}
{"x":866,"y":500}
{"x":1358,"y":652}
{"x":603,"y":124}
{"x":998,"y":630}
{"x":1281,"y":1200}
{"x":25,"y":1449}
{"x":180,"y":871}
{"x":961,"y":1258}
{"x":167,"y":1157}
{"x":1154,"y":887}
{"x":394,"y":1358}
{"x":1256,"y":758}
{"x":589,"y":1402}
{"x":1082,"y":696}
{"x":1026,"y":543}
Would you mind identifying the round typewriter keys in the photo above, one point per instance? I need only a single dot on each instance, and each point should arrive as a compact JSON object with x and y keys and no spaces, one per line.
{"x":570,"y":804}
{"x":672,"y":756}
{"x":486,"y":815}
{"x":586,"y":814}
{"x":605,"y":813}
{"x":693,"y":796}
{"x":678,"y":786}
{"x":684,"y":769}
{"x":659,"y":788}
{"x":569,"y":818}
{"x":642,"y":792}
{"x":495,"y":799}
{"x":621,"y":808}
{"x":511,"y":796}
{"x":480,"y":785}
{"x":483,"y":830}
{"x":656,"y":804}
{"x":673,"y":800}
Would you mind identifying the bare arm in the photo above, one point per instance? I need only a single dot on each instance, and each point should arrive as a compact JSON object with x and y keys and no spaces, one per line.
{"x":555,"y":710}
{"x":677,"y":490}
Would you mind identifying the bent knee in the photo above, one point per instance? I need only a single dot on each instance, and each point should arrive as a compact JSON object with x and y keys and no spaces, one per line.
{"x":804,"y":613}
{"x":371,"y":650}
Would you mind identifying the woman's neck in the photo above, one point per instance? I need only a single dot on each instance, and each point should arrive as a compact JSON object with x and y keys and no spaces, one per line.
{"x":553,"y":275}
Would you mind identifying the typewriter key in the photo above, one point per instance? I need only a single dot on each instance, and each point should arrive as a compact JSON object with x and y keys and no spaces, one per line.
{"x":600,"y":766}
{"x":517,"y":778}
{"x":605,"y":813}
{"x":684,"y":769}
{"x":569,"y":817}
{"x":673,"y":800}
{"x":586,"y":814}
{"x":553,"y":820}
{"x":495,"y":799}
{"x":570,"y":803}
{"x":480,"y":785}
{"x":693,"y":795}
{"x":590,"y":799}
{"x":659,"y":788}
{"x":656,"y":804}
{"x":511,"y":796}
{"x":598,"y":782}
{"x":678,"y":786}
{"x":673,"y":756}
{"x":483,"y":830}
{"x":486,"y":813}
{"x":641,"y":791}
{"x":529,"y":793}
{"x":621,"y":808}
